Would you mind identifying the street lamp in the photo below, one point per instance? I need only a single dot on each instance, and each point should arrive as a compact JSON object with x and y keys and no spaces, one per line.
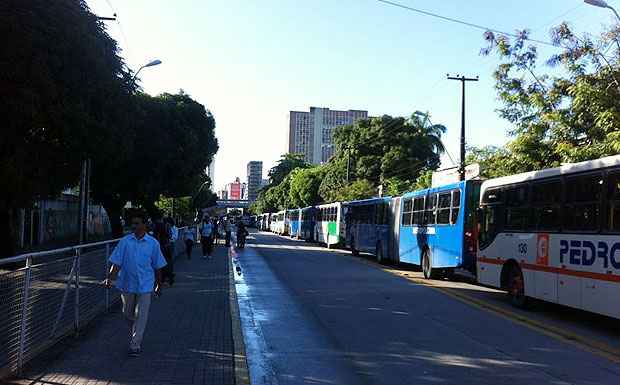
{"x":602,"y":4}
{"x":149,"y":64}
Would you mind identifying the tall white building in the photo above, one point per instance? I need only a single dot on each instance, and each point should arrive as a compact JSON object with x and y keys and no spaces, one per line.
{"x":311,"y":133}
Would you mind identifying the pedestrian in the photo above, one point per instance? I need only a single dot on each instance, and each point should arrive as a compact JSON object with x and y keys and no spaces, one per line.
{"x":216,"y":232}
{"x":137,"y":261}
{"x":228,"y":230}
{"x":161,"y":232}
{"x":206,"y":237}
{"x":189,"y":238}
{"x":174,"y":231}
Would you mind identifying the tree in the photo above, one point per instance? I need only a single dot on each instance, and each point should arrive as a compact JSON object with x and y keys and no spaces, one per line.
{"x":304,"y":186}
{"x":360,"y":189}
{"x":286,"y":164}
{"x":568,"y":113}
{"x":174,"y":141}
{"x":64,"y":90}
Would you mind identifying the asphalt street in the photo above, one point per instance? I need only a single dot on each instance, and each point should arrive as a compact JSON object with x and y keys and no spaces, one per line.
{"x":314,"y":316}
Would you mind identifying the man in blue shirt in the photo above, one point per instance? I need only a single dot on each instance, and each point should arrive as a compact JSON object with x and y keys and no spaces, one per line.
{"x":137,"y":261}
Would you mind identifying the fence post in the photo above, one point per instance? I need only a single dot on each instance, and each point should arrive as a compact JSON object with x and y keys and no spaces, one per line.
{"x":107,"y":269}
{"x":78,"y":252}
{"x":25,"y":298}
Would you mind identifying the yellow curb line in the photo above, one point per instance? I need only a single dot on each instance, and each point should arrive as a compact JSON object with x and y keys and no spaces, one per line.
{"x":242,"y":373}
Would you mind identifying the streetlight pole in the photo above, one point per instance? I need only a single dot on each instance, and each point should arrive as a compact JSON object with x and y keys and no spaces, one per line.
{"x":463,"y":80}
{"x":149,"y":64}
{"x":602,"y":4}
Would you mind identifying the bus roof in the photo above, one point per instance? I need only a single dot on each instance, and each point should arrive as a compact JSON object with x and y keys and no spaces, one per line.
{"x":362,"y":202}
{"x":433,"y":189}
{"x":568,"y":168}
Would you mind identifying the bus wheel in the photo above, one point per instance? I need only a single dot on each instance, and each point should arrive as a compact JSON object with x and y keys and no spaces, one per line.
{"x":379,"y":252}
{"x":516,"y":287}
{"x":354,"y":251}
{"x":427,"y":265}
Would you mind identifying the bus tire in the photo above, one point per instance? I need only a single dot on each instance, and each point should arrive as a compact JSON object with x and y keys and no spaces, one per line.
{"x":516,"y":287}
{"x":427,"y":263}
{"x":379,"y":252}
{"x":354,"y":251}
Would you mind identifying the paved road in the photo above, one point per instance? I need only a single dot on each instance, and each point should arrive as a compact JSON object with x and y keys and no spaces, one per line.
{"x":311,"y":316}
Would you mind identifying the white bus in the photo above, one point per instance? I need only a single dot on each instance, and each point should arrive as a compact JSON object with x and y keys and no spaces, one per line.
{"x":554,"y":235}
{"x":329,"y":225}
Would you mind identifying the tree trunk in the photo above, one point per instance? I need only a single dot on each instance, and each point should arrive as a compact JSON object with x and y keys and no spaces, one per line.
{"x":7,"y":233}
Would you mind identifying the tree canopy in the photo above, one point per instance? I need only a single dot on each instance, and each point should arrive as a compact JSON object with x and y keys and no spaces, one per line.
{"x":565,"y":109}
{"x":68,"y":96}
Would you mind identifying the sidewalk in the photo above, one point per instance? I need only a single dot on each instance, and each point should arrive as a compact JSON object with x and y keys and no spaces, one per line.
{"x":188,"y":339}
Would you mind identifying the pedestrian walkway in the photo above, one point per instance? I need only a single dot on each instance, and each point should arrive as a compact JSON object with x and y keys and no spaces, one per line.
{"x":188,"y":339}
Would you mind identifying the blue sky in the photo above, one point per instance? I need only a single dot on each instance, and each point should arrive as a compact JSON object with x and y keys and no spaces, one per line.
{"x":250,"y":62}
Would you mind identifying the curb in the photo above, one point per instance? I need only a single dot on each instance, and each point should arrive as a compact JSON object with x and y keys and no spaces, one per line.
{"x":242,"y":373}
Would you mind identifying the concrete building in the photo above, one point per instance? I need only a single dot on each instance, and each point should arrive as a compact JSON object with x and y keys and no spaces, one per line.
{"x":255,"y":177}
{"x":311,"y":133}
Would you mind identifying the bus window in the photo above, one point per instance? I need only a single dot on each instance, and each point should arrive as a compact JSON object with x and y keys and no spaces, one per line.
{"x":546,"y":198}
{"x":443,"y":208}
{"x":517,"y":208}
{"x":456,"y":203}
{"x":491,"y":225}
{"x":613,"y":216}
{"x":431,"y":209}
{"x":582,"y":209}
{"x":418,"y":211}
{"x":492,"y":196}
{"x":407,"y":212}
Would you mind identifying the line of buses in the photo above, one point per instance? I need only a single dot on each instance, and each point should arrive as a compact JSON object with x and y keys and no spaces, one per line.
{"x":552,"y":234}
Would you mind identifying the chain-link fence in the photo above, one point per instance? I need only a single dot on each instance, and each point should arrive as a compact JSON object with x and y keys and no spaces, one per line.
{"x":48,"y":295}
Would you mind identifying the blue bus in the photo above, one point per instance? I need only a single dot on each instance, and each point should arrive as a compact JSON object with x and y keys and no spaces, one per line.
{"x":307,"y":219}
{"x":293,"y":222}
{"x":367,"y":226}
{"x":437,"y":228}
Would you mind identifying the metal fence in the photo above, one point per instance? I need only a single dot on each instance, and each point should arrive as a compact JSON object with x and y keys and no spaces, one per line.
{"x":48,"y":295}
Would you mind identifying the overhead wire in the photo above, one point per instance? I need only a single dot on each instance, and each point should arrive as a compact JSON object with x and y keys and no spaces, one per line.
{"x":463,"y":22}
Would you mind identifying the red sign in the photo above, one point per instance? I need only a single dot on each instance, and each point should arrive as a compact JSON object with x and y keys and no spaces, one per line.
{"x":235,"y":191}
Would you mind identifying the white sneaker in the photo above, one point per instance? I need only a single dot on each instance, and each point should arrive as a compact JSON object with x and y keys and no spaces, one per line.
{"x":204,"y":257}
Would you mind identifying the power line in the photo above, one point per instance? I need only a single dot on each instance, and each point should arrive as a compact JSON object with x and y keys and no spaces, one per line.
{"x":462,"y":22}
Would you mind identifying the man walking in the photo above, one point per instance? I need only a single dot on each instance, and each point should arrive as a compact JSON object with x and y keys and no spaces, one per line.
{"x":137,"y":261}
{"x":206,"y":237}
{"x":189,"y":237}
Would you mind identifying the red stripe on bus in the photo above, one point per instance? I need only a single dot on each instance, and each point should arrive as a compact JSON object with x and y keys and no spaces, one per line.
{"x":549,"y":269}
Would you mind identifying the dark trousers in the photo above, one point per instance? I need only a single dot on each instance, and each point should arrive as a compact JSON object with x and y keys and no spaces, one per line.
{"x":168,"y":270}
{"x":228,"y":239}
{"x":207,"y":245}
{"x":189,"y":245}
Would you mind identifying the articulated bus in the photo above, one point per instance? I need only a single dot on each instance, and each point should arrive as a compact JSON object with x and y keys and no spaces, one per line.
{"x":438,"y":228}
{"x":307,"y":219}
{"x":329,"y":227}
{"x":554,"y":235}
{"x":367,"y":226}
{"x":293,"y":219}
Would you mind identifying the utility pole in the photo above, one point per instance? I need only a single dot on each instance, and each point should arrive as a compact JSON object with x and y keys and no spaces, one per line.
{"x":463,"y":80}
{"x":348,"y":163}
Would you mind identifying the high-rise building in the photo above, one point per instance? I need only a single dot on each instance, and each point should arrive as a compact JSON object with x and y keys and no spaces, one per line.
{"x":255,"y":177}
{"x":311,"y":133}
